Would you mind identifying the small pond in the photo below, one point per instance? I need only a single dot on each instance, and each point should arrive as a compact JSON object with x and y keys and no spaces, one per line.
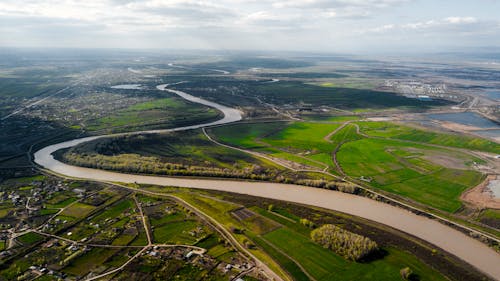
{"x":128,"y":87}
{"x":465,"y":118}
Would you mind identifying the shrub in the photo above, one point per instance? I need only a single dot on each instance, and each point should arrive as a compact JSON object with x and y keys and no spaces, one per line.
{"x":307,"y":223}
{"x":248,"y":244}
{"x":406,"y":273}
{"x":270,"y":208}
{"x":235,"y":230}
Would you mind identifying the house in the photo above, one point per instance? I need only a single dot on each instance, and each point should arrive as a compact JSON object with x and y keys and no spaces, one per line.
{"x":189,"y":255}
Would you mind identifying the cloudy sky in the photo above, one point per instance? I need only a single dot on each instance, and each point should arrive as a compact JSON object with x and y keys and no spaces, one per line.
{"x":303,"y":25}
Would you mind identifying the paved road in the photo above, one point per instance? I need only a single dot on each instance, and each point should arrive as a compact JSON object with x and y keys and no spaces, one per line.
{"x":450,"y":240}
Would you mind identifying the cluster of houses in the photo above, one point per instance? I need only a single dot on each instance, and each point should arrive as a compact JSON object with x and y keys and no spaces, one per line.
{"x":419,"y":90}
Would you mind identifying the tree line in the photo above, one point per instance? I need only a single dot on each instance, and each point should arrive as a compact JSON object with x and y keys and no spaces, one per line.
{"x":134,"y":163}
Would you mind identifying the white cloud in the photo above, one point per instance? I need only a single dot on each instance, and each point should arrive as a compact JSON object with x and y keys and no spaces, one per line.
{"x":322,"y":24}
{"x":322,"y":4}
{"x":383,"y":28}
{"x":442,"y":23}
{"x":460,"y":20}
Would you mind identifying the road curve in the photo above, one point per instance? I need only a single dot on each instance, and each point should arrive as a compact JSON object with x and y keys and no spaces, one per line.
{"x":468,"y":249}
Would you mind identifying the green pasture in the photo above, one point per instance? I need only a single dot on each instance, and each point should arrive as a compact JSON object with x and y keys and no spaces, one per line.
{"x":323,"y":264}
{"x":397,"y":131}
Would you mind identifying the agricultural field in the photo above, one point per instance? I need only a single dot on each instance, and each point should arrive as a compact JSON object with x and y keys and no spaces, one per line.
{"x":407,"y":133}
{"x":410,"y":170}
{"x":172,"y":225}
{"x":323,"y":264}
{"x":430,"y":175}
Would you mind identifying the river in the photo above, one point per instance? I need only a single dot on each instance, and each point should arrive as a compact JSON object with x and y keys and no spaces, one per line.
{"x":468,"y":249}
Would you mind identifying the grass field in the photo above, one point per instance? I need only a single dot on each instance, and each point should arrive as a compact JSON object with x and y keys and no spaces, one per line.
{"x":6,"y":210}
{"x":282,"y":140}
{"x":323,"y":264}
{"x":214,"y":208}
{"x":30,"y":238}
{"x":175,"y":232}
{"x":397,"y":169}
{"x":429,"y":175}
{"x":396,"y":131}
{"x":288,"y":265}
{"x":346,"y":134}
{"x":246,"y":135}
{"x":60,"y":202}
{"x":78,"y":210}
{"x":89,"y":261}
{"x":115,"y":210}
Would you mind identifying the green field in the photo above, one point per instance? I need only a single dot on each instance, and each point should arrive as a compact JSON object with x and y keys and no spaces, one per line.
{"x":400,"y":168}
{"x":427,"y":174}
{"x":323,"y":264}
{"x":89,"y":261}
{"x":346,"y":134}
{"x":78,"y":210}
{"x":288,"y":264}
{"x":396,"y":131}
{"x":246,"y":135}
{"x":30,"y":238}
{"x":115,"y":210}
{"x":282,"y":140}
{"x":60,"y":202}
{"x":214,"y":208}
{"x":175,"y":232}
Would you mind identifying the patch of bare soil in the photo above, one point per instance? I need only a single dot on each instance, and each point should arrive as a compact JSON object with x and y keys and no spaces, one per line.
{"x":379,"y":119}
{"x":457,"y":127}
{"x":441,"y":158}
{"x":446,"y":161}
{"x":480,"y":196}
